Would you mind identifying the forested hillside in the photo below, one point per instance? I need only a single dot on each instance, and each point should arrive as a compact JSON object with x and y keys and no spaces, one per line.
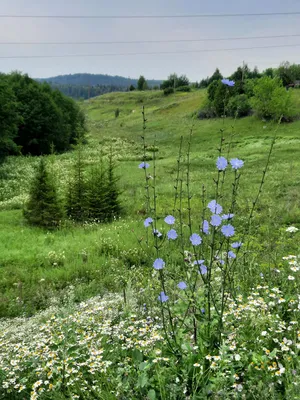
{"x":84,"y":86}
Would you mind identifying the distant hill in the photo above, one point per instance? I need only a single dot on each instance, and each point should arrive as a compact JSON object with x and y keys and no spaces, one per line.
{"x":84,"y":86}
{"x":95,"y":79}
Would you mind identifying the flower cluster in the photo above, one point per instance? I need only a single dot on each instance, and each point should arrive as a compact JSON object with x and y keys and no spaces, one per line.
{"x":71,"y":351}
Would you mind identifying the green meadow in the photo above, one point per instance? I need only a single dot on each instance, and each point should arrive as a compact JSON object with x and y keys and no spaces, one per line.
{"x":79,"y":310}
{"x":29,"y":280}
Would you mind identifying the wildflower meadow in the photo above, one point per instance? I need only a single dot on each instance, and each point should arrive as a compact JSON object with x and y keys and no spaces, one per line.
{"x":194,"y":294}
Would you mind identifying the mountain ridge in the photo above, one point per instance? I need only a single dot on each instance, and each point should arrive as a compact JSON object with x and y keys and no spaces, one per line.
{"x":95,"y":80}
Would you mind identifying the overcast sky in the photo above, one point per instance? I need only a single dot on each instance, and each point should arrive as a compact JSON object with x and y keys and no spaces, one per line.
{"x":194,"y":65}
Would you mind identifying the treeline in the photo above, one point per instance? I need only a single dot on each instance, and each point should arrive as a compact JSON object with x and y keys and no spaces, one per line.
{"x":34,"y":119}
{"x":84,"y":92}
{"x":95,"y":80}
{"x":91,"y":195}
{"x":248,"y":92}
{"x":286,"y":72}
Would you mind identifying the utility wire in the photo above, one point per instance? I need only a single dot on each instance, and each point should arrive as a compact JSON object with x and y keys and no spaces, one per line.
{"x":152,"y":41}
{"x":151,"y":53}
{"x":269,"y":14}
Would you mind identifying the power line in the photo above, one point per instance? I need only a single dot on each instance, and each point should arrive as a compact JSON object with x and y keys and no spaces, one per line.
{"x":153,"y":41}
{"x":269,"y":14}
{"x":151,"y":53}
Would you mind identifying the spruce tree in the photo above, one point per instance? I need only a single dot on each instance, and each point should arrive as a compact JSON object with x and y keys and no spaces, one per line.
{"x":98,"y":208}
{"x":76,"y":206}
{"x":43,"y":207}
{"x":114,"y":208}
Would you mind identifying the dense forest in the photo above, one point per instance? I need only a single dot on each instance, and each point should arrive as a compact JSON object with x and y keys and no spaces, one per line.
{"x":34,"y":119}
{"x":84,"y":86}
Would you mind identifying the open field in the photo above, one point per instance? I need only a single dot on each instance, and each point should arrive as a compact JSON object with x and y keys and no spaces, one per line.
{"x":62,"y":268}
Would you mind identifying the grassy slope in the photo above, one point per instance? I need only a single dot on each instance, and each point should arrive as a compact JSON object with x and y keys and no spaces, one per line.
{"x":24,"y":251}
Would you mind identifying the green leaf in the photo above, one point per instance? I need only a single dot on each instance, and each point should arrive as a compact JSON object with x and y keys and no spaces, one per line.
{"x":151,"y":394}
{"x":137,"y":355}
{"x":142,"y":380}
{"x":142,"y":366}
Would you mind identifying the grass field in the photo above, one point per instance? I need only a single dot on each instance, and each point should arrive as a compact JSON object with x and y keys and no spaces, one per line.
{"x":42,"y":269}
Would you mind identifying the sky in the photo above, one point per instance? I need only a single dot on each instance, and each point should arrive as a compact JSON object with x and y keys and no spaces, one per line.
{"x":153,"y":66}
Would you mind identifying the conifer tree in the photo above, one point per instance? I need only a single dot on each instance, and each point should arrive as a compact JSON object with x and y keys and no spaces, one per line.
{"x":76,"y":206}
{"x":113,"y":192}
{"x":97,"y":194}
{"x":43,"y":208}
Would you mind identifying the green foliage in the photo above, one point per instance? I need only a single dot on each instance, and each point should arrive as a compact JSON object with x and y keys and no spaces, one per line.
{"x":271,"y":100}
{"x":113,"y":206}
{"x":175,"y":81}
{"x":239,"y":106}
{"x":142,"y":83}
{"x":218,"y":97}
{"x":45,"y":117}
{"x":43,"y":208}
{"x":76,"y":204}
{"x":9,"y":119}
{"x":183,"y":89}
{"x":216,"y":76}
{"x":168,"y":91}
{"x":131,"y":88}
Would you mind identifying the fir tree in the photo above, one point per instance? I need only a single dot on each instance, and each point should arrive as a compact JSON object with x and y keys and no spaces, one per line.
{"x":113,"y":192}
{"x":43,"y":208}
{"x":97,"y":194}
{"x":76,"y":206}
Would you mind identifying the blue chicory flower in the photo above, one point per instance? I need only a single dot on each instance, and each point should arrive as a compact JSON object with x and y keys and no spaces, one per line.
{"x":214,"y":207}
{"x":236,"y":245}
{"x":195,"y":239}
{"x":236,"y":163}
{"x":203,"y":310}
{"x":216,"y":220}
{"x":227,"y":230}
{"x":205,"y":227}
{"x":182,"y":285}
{"x":148,"y":222}
{"x":231,"y":254}
{"x":203,"y":270}
{"x":159,"y":264}
{"x":163,"y":297}
{"x":227,"y":216}
{"x":227,"y":82}
{"x":198,"y":262}
{"x":144,"y":165}
{"x":157,"y":233}
{"x":172,"y":234}
{"x":221,"y":163}
{"x":170,"y":220}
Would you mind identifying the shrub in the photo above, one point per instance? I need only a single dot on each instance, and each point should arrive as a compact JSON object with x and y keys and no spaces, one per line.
{"x":207,"y":112}
{"x":168,"y":90}
{"x":271,"y":100}
{"x":183,"y":89}
{"x":239,"y":106}
{"x":117,"y":112}
{"x":43,"y":208}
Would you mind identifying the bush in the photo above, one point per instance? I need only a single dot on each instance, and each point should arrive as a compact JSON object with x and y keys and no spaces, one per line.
{"x":271,"y":100}
{"x":207,"y":112}
{"x":239,"y":106}
{"x":168,"y":90}
{"x":183,"y":89}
